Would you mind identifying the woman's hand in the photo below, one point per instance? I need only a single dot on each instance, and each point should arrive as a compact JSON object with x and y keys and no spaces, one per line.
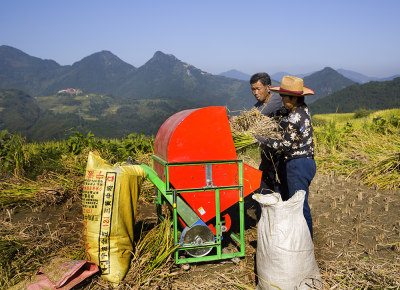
{"x":261,"y":140}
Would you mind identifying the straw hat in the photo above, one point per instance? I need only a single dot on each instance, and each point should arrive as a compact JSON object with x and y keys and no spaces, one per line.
{"x":292,"y":86}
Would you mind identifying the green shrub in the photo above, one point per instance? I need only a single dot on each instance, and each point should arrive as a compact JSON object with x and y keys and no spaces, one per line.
{"x":390,"y":125}
{"x":13,"y":153}
{"x":45,"y":157}
{"x":78,"y":142}
{"x":361,"y":113}
{"x":395,"y":121}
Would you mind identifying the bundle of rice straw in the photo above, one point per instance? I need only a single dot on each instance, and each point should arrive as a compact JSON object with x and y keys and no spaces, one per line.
{"x":252,"y":123}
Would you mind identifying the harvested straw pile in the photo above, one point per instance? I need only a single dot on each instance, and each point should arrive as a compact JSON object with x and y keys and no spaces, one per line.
{"x":152,"y":259}
{"x":252,"y":123}
{"x":385,"y":173}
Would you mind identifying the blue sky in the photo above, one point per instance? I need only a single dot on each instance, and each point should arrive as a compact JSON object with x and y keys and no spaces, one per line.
{"x":213,"y":35}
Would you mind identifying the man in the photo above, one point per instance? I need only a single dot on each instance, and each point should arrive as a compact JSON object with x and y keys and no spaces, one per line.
{"x":268,"y":103}
{"x":296,"y":145}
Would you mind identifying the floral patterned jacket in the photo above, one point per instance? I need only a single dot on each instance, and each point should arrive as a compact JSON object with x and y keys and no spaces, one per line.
{"x":297,"y":134}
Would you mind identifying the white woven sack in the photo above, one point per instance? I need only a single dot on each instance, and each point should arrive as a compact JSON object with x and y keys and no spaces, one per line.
{"x":285,"y":251}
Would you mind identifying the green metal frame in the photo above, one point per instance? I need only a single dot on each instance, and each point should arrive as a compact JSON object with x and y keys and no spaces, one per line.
{"x":189,"y":216}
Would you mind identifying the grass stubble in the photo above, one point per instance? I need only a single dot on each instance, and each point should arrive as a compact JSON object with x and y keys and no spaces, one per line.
{"x":356,"y":240}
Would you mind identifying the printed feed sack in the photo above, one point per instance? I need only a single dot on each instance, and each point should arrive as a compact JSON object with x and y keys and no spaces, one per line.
{"x":109,"y":202}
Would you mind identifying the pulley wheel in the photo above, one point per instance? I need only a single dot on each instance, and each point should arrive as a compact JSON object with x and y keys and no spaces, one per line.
{"x":196,"y":236}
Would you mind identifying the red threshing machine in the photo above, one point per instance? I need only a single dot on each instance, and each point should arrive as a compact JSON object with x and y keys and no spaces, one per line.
{"x":196,"y":171}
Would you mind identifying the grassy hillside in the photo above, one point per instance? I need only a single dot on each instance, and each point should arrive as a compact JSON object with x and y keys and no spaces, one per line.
{"x":57,"y":116}
{"x":369,"y":96}
{"x":18,"y":110}
{"x":106,"y":116}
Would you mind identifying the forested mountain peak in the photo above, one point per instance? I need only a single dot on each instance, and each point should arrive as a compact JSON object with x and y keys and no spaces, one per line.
{"x":104,"y":59}
{"x":325,"y":82}
{"x":12,"y":58}
{"x":168,"y":62}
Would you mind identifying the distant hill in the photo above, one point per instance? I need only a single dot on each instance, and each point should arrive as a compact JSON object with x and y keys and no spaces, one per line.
{"x":22,"y":71}
{"x":101,"y":73}
{"x":388,"y":78}
{"x":324,"y":83}
{"x":278,"y":76}
{"x":360,"y":78}
{"x":235,"y":74}
{"x":18,"y":111}
{"x":369,"y":96}
{"x":354,"y":76}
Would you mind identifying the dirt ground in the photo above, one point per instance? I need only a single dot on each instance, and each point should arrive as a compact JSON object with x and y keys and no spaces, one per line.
{"x":356,"y":239}
{"x":356,"y":235}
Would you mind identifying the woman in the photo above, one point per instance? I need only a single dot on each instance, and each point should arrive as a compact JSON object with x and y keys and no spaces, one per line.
{"x":297,"y":144}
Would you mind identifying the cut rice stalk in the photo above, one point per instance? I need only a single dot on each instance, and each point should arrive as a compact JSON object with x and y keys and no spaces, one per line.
{"x":243,"y":139}
{"x":252,"y":123}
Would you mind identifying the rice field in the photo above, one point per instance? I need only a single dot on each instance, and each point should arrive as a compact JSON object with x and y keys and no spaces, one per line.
{"x":355,"y":202}
{"x":367,"y":148}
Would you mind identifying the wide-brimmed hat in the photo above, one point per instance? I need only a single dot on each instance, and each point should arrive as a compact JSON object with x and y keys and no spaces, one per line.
{"x":292,"y":86}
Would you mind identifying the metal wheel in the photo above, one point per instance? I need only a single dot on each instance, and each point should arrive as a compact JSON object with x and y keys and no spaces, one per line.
{"x":198,"y":235}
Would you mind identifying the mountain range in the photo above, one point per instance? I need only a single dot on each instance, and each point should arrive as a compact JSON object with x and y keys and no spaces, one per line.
{"x":323,"y":82}
{"x":104,"y":73}
{"x":101,"y":93}
{"x":362,"y":79}
{"x":276,"y":77}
